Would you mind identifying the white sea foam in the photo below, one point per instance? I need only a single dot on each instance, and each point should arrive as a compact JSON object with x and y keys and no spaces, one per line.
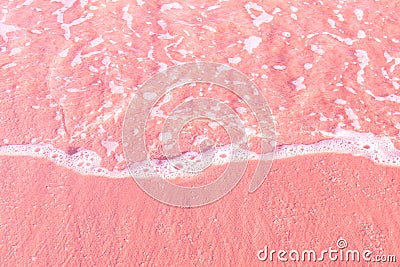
{"x":378,"y":149}
{"x":263,"y":17}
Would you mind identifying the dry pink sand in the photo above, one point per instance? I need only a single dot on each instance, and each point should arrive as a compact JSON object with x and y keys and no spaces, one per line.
{"x":56,"y":217}
{"x":68,"y":70}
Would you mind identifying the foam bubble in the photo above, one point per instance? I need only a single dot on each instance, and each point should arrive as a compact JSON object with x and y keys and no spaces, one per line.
{"x":86,"y":162}
{"x":378,"y":149}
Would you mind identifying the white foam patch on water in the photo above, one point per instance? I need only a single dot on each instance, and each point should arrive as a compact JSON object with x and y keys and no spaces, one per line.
{"x":308,"y":66}
{"x":391,"y":97}
{"x":115,"y":88}
{"x":14,"y":51}
{"x":359,"y":14}
{"x":317,"y":49}
{"x":340,"y":102}
{"x":66,"y":26}
{"x":9,"y":65}
{"x":64,"y":53}
{"x":251,"y":43}
{"x":5,"y":29}
{"x":347,"y":41}
{"x":299,"y":83}
{"x":234,"y":60}
{"x":332,"y":23}
{"x":363,"y":60}
{"x":96,"y":41}
{"x":110,"y":146}
{"x":128,"y":18}
{"x":353,"y":117}
{"x":263,"y":16}
{"x":361,"y":34}
{"x":378,"y":149}
{"x":170,"y":6}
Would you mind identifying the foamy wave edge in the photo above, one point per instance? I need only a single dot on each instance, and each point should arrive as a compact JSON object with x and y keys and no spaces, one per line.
{"x":86,"y":162}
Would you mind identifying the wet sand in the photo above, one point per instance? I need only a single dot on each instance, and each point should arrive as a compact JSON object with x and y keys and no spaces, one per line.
{"x":53,"y":216}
